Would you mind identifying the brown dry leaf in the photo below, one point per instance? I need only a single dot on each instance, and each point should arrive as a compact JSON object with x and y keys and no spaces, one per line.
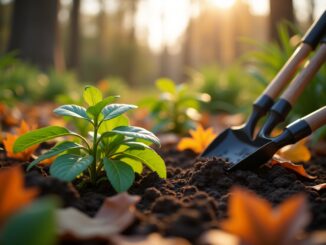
{"x":10,"y":139}
{"x":9,"y":117}
{"x":298,"y":152}
{"x":199,"y":140}
{"x":115,"y":214}
{"x":277,"y":160}
{"x":315,"y":238}
{"x":13,"y":194}
{"x":255,"y":221}
{"x":152,"y":239}
{"x":218,"y":237}
{"x":318,"y":187}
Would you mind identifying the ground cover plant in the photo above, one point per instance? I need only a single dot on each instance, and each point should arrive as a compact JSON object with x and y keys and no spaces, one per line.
{"x":176,"y":108}
{"x":113,"y":146}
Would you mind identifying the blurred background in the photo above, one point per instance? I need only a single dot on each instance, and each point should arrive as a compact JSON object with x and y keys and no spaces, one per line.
{"x":229,"y":49}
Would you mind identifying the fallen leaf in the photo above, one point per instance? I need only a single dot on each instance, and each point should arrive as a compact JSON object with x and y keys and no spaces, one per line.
{"x":315,"y":238}
{"x":318,"y":187}
{"x":103,"y":85}
{"x":218,"y":237}
{"x":199,"y":140}
{"x":115,"y":214}
{"x":9,"y":117}
{"x":10,"y":139}
{"x":13,"y":194}
{"x":151,"y":239}
{"x":255,"y":221}
{"x":277,"y":160}
{"x":47,"y":161}
{"x":298,"y":152}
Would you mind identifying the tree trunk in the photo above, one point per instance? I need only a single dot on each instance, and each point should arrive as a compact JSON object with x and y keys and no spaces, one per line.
{"x":73,"y":55}
{"x":280,"y":10}
{"x":132,"y":6}
{"x":34,"y":31}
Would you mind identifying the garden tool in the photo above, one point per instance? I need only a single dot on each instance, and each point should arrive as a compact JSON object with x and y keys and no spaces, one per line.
{"x":237,"y":143}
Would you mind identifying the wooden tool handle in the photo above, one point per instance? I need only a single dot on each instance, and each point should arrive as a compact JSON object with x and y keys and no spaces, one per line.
{"x":287,"y":72}
{"x":297,"y":86}
{"x":316,"y":119}
{"x":310,"y":41}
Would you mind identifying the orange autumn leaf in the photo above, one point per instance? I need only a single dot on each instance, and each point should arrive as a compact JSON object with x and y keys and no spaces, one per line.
{"x":103,"y":85}
{"x":277,"y":160}
{"x":256,"y":222}
{"x":10,"y":139}
{"x":298,"y":152}
{"x":199,"y":140}
{"x":47,"y":161}
{"x":13,"y":194}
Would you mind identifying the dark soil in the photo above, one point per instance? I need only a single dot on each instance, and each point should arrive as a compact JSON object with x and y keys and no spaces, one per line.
{"x":194,"y":197}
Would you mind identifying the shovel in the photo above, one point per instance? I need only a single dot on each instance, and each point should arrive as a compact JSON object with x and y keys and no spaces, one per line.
{"x":236,"y":145}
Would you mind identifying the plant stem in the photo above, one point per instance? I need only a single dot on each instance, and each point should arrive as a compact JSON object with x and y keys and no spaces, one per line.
{"x":93,"y":167}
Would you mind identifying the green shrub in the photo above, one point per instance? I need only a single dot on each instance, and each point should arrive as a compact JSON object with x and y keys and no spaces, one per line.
{"x":24,"y":82}
{"x":176,"y":108}
{"x":231,"y":89}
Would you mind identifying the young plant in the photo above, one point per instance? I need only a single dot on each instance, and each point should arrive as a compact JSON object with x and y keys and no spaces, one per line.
{"x":176,"y":110}
{"x":112,"y":147}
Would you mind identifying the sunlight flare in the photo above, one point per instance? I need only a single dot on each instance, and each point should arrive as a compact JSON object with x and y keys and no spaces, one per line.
{"x":223,"y":4}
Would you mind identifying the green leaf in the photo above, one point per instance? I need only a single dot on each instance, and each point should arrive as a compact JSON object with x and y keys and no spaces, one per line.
{"x":150,"y":158}
{"x":114,"y":110}
{"x":106,"y":126}
{"x":135,"y":132}
{"x":67,"y":167}
{"x":96,"y":109}
{"x":59,"y":148}
{"x":92,"y":95}
{"x":73,"y":111}
{"x":38,"y":136}
{"x":166,"y":85}
{"x":136,"y":165}
{"x":137,"y":145}
{"x":34,"y":224}
{"x":120,"y":174}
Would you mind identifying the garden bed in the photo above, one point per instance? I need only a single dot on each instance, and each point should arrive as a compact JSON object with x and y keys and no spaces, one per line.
{"x":194,"y":197}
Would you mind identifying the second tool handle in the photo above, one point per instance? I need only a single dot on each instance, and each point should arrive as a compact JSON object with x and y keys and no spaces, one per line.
{"x":297,"y":86}
{"x":309,"y":42}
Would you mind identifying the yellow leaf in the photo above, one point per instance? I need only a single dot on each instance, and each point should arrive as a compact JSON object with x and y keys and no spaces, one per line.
{"x":199,"y":140}
{"x":298,"y":152}
{"x":277,"y":160}
{"x":13,"y":194}
{"x":10,"y":139}
{"x":256,"y":222}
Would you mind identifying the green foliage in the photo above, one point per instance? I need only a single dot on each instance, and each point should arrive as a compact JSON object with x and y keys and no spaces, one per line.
{"x":24,"y":82}
{"x":177,"y":107}
{"x":35,"y":224}
{"x":113,"y":146}
{"x":224,"y":86}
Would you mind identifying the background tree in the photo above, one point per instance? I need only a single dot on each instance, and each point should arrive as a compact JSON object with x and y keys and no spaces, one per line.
{"x":34,"y":32}
{"x":74,"y":45}
{"x":280,"y":10}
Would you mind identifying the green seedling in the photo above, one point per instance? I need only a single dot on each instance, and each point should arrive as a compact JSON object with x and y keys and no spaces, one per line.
{"x":176,"y":109}
{"x":112,"y":147}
